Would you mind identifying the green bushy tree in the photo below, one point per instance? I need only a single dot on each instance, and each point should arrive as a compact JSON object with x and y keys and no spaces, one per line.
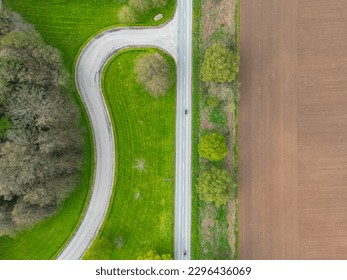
{"x":213,"y":147}
{"x":220,"y":64}
{"x":214,"y":186}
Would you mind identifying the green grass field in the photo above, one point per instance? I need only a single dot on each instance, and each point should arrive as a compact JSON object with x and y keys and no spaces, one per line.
{"x":142,"y":212}
{"x":66,"y":25}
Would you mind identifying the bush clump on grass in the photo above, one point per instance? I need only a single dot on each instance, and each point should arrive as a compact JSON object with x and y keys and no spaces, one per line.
{"x":130,"y":13}
{"x":214,"y":186}
{"x":153,"y":72}
{"x":213,"y":147}
{"x":153,"y":255}
{"x":144,"y":6}
{"x":127,"y":14}
{"x":220,"y":65}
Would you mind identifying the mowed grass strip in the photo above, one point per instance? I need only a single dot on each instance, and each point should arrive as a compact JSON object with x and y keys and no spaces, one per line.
{"x":66,"y":25}
{"x":141,"y":215}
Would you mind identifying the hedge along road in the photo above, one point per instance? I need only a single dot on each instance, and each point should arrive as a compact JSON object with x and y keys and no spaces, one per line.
{"x":175,"y":38}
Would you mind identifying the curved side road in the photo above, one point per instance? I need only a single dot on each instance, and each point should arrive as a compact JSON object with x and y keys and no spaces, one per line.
{"x":171,"y":38}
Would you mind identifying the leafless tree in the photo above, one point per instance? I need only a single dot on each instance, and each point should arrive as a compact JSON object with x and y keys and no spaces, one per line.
{"x":154,"y":73}
{"x":40,"y":152}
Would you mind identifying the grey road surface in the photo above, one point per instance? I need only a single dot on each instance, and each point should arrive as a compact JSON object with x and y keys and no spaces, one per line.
{"x":183,"y":132}
{"x":175,"y":38}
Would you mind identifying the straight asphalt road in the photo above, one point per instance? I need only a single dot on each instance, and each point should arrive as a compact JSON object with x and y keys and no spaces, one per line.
{"x":183,"y":132}
{"x":175,"y":38}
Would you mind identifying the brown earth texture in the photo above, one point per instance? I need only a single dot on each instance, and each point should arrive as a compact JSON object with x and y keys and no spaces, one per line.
{"x":293,"y":129}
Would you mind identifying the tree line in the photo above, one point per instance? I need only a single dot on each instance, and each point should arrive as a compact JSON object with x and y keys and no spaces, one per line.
{"x":40,"y":134}
{"x":219,"y":69}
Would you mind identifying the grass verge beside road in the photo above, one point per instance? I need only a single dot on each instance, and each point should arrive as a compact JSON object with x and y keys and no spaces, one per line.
{"x":197,"y":58}
{"x":141,"y":215}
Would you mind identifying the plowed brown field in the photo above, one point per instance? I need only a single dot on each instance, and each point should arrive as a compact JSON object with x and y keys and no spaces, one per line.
{"x":293,"y":129}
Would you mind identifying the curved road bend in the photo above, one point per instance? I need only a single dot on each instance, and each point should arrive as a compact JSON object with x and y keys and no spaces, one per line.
{"x":175,"y":38}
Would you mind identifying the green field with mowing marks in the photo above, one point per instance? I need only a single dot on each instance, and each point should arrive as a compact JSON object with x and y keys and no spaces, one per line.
{"x":141,"y":215}
{"x":66,"y":25}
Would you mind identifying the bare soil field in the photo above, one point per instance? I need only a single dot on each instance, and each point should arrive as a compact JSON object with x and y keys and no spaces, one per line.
{"x":293,"y":130}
